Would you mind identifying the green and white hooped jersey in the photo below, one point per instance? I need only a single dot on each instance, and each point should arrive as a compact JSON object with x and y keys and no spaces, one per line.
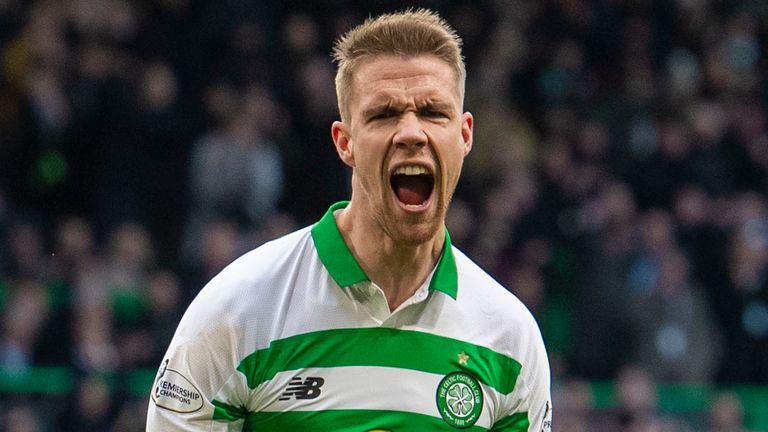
{"x":293,"y":336}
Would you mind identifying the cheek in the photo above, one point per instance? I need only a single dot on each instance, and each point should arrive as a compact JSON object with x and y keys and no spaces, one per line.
{"x":454,"y":157}
{"x":452,"y":162}
{"x":368,"y":166}
{"x":370,"y":152}
{"x":367,"y":163}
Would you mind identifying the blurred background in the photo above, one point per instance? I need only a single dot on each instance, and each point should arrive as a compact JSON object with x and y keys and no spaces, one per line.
{"x":618,"y":185}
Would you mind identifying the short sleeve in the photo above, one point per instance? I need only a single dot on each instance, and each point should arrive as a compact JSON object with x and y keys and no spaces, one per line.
{"x":538,"y":381}
{"x":197,"y":387}
{"x":530,"y":409}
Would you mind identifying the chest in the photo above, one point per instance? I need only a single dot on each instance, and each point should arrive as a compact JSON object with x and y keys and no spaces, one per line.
{"x":376,"y":378}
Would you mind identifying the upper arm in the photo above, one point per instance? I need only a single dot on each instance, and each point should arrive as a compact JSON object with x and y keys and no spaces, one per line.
{"x":531,"y":404}
{"x":197,"y":381}
{"x":538,"y":381}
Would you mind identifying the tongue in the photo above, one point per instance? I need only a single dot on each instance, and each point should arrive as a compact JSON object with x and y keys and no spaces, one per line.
{"x":412,"y":190}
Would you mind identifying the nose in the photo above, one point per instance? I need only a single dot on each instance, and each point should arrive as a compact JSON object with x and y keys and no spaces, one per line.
{"x":410,"y":134}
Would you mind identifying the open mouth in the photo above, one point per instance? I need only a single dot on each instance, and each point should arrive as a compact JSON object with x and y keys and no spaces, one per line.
{"x":412,"y":184}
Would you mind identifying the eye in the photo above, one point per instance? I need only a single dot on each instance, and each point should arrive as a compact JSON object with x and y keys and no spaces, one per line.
{"x":381,"y":115}
{"x":433,"y":113}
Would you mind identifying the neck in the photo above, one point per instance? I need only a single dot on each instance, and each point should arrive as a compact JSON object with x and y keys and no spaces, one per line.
{"x":398,"y":268}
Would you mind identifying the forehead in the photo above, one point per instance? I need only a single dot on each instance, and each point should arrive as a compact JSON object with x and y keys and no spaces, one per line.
{"x":387,"y":77}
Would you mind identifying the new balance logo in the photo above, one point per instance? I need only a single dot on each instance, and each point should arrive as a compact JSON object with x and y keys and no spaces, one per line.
{"x":307,"y":389}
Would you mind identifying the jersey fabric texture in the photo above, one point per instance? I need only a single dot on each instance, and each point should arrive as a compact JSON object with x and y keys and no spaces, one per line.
{"x":294,"y":336}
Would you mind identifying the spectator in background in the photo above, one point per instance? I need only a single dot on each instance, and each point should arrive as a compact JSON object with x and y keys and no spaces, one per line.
{"x":74,"y":253}
{"x":102,"y":131}
{"x":25,"y":253}
{"x":24,"y":315}
{"x":249,"y":175}
{"x":702,"y":240}
{"x":109,"y":297}
{"x":217,"y":247}
{"x":131,"y":417}
{"x":600,"y":342}
{"x":675,"y":336}
{"x":726,"y":414}
{"x":23,"y":418}
{"x":90,"y":406}
{"x":165,"y":300}
{"x":663,"y":149}
{"x":574,"y":401}
{"x":163,"y":122}
{"x":33,"y":101}
{"x":637,"y":405}
{"x":74,"y":249}
{"x":744,"y":301}
{"x":305,"y":74}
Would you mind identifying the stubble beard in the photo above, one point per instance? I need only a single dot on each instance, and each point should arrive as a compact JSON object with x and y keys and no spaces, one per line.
{"x":409,"y":229}
{"x":403,"y":228}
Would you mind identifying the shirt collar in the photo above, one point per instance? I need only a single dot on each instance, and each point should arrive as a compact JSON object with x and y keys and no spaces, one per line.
{"x":345,"y":270}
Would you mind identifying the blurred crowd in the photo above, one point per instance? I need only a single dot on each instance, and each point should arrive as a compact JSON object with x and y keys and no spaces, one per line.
{"x":618,"y":185}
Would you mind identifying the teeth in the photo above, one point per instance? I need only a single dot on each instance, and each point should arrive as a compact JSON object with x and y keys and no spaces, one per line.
{"x":411,"y":170}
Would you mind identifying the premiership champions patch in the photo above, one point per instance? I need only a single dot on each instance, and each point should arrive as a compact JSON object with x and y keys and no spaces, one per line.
{"x":173,"y":391}
{"x":459,"y":399}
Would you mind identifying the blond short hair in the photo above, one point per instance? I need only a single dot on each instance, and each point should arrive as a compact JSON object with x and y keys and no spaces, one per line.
{"x":408,"y":33}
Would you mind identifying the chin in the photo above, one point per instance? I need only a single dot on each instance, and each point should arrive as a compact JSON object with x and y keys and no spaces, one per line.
{"x":414,"y":234}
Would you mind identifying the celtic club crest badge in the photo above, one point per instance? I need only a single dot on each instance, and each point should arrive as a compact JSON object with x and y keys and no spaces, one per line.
{"x":459,"y":399}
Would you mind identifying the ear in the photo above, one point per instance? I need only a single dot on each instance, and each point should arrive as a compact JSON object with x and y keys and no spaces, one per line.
{"x":467,"y":124}
{"x":343,"y":143}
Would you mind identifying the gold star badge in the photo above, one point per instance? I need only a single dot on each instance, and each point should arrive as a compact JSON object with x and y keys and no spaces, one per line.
{"x":463,"y":358}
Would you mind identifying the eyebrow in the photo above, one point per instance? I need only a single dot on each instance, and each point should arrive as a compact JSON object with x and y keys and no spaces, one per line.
{"x":378,"y":109}
{"x":394,"y":106}
{"x":438,"y":105}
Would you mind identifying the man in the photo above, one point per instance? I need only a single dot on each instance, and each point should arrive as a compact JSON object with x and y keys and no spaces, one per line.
{"x":370,"y":319}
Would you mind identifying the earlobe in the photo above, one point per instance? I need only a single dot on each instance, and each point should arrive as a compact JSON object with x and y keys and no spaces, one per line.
{"x":466,"y":131}
{"x":343,"y":143}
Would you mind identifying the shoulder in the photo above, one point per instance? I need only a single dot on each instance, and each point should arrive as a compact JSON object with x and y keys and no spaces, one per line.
{"x":480,"y":290}
{"x":248,"y":289}
{"x":265,"y":262}
{"x":501,"y":321}
{"x":497,"y":319}
{"x":511,"y":329}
